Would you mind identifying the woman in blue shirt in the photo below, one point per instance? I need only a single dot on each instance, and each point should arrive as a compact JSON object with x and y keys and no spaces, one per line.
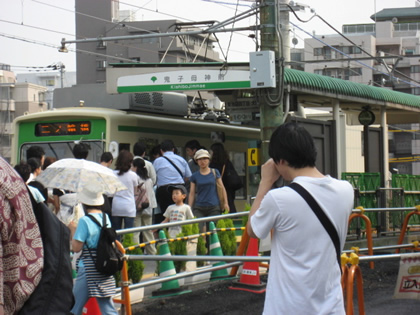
{"x":204,"y":182}
{"x":90,"y":282}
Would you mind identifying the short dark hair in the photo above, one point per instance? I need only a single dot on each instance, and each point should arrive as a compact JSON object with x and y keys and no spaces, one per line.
{"x":193,"y":145}
{"x":34,"y":163}
{"x":294,"y":144}
{"x":167,"y":145}
{"x":155,"y":151}
{"x":81,"y":150}
{"x":24,"y":170}
{"x":35,"y":151}
{"x":139,"y":148}
{"x":106,"y":157}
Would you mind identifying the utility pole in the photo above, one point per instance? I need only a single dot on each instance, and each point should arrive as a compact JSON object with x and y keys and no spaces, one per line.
{"x":271,"y":113}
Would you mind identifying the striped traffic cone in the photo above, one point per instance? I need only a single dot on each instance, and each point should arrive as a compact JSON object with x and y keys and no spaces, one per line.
{"x":166,"y":269}
{"x":250,"y":276}
{"x":216,"y":250}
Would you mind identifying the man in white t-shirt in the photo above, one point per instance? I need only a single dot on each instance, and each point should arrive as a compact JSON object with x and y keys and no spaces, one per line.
{"x":304,"y":274}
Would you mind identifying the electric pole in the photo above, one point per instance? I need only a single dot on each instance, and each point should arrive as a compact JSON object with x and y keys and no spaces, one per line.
{"x":271,"y":109}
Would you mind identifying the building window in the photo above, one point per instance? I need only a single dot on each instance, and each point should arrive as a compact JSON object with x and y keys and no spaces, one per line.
{"x":318,"y":51}
{"x":409,"y":52}
{"x":50,"y":82}
{"x":415,"y":69}
{"x":416,"y":91}
{"x":149,"y":40}
{"x":100,"y":64}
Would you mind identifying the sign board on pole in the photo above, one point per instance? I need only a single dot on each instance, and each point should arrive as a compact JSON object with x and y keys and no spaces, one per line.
{"x":182,"y":80}
{"x":152,"y":77}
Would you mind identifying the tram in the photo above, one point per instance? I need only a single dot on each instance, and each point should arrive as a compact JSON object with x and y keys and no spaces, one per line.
{"x":58,"y":130}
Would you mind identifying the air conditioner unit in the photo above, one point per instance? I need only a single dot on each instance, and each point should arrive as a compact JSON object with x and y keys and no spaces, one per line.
{"x":168,"y":103}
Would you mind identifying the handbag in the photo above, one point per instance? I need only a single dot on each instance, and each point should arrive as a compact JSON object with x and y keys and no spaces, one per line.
{"x":322,"y":217}
{"x":232,"y":180}
{"x":221,"y":192}
{"x":140,"y":196}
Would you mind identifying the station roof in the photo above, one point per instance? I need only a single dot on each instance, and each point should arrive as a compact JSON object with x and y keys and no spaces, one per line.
{"x":315,"y":90}
{"x":352,"y":96}
{"x":319,"y":83}
{"x":403,"y":14}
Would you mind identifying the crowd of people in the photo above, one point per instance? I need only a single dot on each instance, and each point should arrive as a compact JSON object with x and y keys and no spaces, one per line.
{"x":303,"y":278}
{"x":175,"y":190}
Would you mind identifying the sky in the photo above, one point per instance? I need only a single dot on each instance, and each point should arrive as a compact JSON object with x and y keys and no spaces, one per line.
{"x":31,"y":30}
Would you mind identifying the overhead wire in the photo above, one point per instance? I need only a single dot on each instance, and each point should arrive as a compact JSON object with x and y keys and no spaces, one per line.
{"x":69,"y":34}
{"x":231,"y":33}
{"x":55,"y":46}
{"x":381,"y":61}
{"x":344,"y":54}
{"x":119,"y":23}
{"x":185,"y":19}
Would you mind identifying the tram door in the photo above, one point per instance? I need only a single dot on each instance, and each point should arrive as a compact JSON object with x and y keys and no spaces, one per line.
{"x":323,"y":134}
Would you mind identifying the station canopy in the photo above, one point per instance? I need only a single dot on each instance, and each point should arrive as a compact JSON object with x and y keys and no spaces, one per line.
{"x":312,"y":90}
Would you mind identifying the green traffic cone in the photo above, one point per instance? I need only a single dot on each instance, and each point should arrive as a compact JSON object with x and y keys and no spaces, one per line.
{"x":167,"y":268}
{"x":216,"y":250}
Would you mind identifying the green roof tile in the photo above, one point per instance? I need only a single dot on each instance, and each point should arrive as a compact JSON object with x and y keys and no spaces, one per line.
{"x":315,"y":82}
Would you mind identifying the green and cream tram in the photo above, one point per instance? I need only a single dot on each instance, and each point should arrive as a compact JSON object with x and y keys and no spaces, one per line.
{"x":58,"y":130}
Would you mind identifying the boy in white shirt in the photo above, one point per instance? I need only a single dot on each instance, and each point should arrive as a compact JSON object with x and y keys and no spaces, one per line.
{"x":178,"y":211}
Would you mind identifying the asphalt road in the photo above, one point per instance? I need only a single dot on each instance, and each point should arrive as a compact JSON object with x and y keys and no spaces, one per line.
{"x":216,"y":297}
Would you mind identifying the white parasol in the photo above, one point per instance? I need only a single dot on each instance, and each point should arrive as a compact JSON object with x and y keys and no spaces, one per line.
{"x":76,"y":174}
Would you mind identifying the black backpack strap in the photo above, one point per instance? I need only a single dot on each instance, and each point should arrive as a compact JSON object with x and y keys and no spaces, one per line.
{"x":94,"y":220}
{"x":322,"y":217}
{"x":100,"y":226}
{"x":174,"y":165}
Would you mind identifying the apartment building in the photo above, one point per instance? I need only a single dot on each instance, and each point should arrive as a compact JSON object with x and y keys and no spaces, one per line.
{"x":16,"y":99}
{"x":385,"y":53}
{"x":105,"y":21}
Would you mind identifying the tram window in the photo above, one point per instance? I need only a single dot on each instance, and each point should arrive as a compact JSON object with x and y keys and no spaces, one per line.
{"x":63,"y":150}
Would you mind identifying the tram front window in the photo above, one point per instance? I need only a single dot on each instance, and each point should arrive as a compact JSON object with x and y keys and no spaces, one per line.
{"x":63,"y":150}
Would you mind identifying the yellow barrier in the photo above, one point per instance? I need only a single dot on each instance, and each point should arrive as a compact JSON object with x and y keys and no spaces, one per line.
{"x":347,"y":283}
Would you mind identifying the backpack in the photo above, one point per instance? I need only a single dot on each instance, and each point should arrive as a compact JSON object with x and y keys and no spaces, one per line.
{"x":109,"y":260}
{"x":142,"y":202}
{"x":54,"y":294}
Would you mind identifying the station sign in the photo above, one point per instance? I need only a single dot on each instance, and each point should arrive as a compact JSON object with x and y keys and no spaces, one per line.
{"x":139,"y":78}
{"x":184,"y":80}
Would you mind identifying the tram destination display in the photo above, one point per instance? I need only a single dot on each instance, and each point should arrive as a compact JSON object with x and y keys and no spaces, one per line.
{"x":63,"y":128}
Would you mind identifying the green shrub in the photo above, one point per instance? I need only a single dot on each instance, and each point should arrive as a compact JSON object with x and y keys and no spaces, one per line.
{"x":245,"y":217}
{"x":201,"y":244}
{"x":135,"y":267}
{"x":227,"y":239}
{"x":179,"y":248}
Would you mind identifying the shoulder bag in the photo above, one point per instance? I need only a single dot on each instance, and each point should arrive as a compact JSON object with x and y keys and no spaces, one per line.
{"x":322,"y":217}
{"x":176,"y":167}
{"x":221,"y":192}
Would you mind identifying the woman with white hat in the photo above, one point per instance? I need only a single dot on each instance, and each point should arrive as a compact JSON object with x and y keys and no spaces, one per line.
{"x":90,"y":282}
{"x":204,"y":182}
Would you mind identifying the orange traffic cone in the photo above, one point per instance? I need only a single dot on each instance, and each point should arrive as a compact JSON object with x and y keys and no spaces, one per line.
{"x":91,"y":307}
{"x":250,"y":276}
